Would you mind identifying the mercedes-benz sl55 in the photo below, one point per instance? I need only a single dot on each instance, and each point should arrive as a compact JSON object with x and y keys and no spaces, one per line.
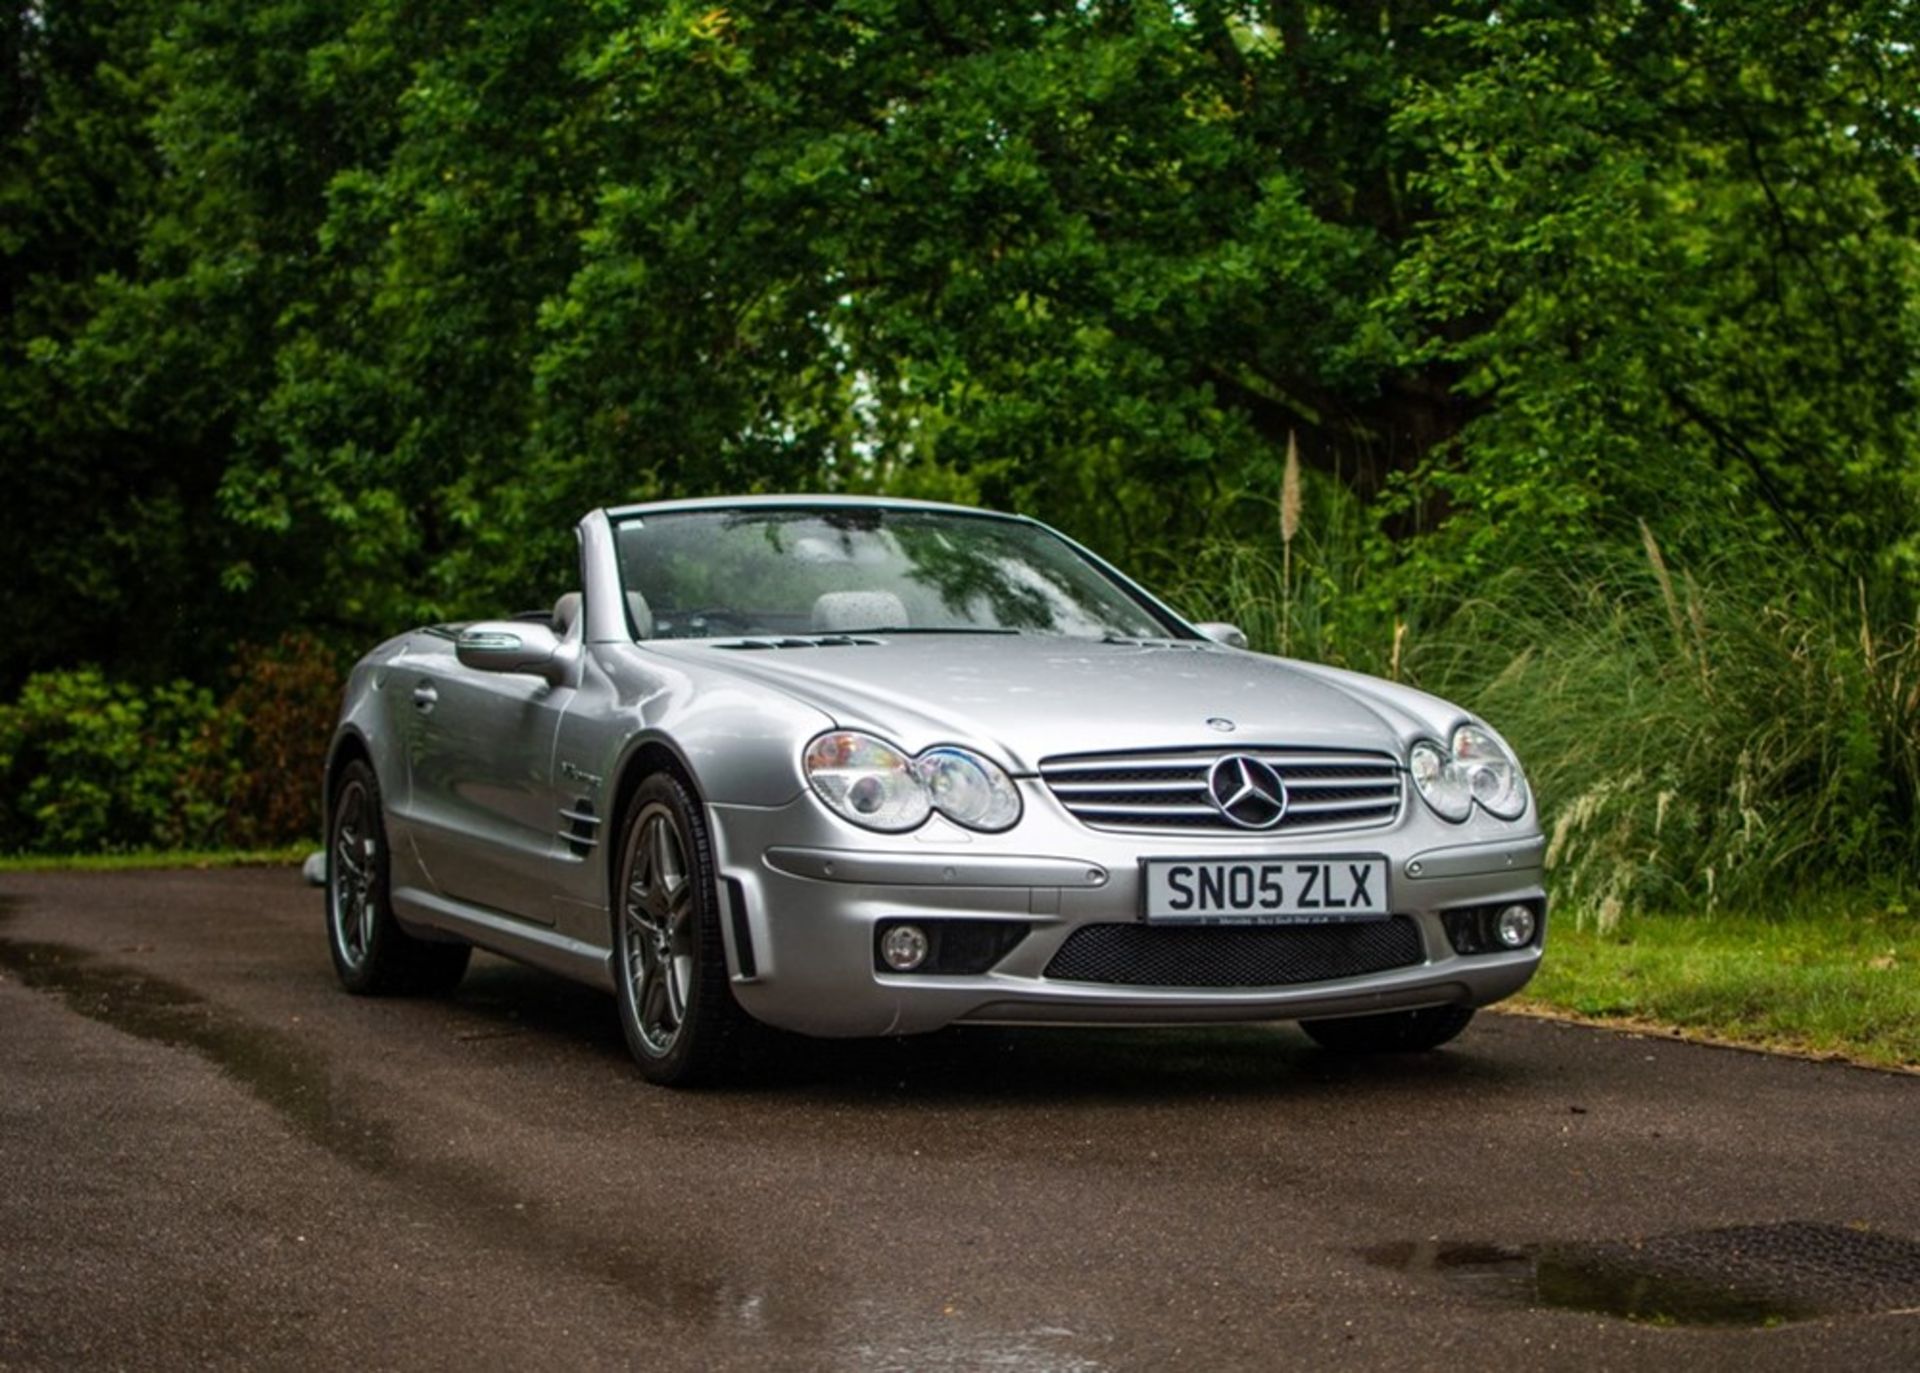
{"x":856,"y":767}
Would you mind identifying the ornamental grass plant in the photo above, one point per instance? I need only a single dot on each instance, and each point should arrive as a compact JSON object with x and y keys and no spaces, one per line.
{"x":1733,"y":734}
{"x":1699,"y":739}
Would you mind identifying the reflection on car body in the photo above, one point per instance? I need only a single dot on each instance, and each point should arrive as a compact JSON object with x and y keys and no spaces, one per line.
{"x":865,"y":767}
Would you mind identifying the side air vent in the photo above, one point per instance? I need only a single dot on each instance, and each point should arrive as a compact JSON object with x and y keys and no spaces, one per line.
{"x":582,"y":829}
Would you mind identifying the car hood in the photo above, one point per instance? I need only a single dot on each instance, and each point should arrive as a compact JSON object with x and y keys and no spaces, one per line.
{"x":1025,"y":698}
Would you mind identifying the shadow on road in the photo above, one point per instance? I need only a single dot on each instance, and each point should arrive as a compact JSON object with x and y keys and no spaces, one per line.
{"x":983,"y":1064}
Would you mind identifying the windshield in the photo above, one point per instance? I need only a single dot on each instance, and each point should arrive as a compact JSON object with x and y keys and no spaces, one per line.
{"x":726,"y":573}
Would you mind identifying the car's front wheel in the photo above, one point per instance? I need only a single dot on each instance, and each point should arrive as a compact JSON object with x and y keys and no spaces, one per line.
{"x":670,"y":965}
{"x":1395,"y":1032}
{"x":371,"y":953}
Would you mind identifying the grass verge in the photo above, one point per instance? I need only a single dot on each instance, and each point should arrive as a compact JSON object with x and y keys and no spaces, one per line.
{"x":154,"y":858}
{"x":1819,"y":980}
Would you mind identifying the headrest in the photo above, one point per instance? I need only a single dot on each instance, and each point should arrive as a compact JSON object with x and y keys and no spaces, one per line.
{"x":641,"y":614}
{"x":566,"y":613}
{"x":840,"y":611}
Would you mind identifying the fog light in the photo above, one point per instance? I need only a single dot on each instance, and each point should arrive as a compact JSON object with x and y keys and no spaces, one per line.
{"x":904,"y":947}
{"x":1515,"y":927}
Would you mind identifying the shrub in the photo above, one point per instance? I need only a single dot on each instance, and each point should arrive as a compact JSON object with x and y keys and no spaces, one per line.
{"x":90,"y":764}
{"x":269,"y":741}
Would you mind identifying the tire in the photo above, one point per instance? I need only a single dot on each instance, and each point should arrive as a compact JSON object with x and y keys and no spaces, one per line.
{"x":670,"y":964}
{"x":1396,"y":1032}
{"x":372,"y":955}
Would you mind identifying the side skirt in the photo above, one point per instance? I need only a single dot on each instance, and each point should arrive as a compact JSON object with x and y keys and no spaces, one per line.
{"x":504,"y":935}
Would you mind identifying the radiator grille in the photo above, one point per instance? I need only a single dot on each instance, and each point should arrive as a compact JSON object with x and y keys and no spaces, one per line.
{"x":1167,"y":790}
{"x":1136,"y":955}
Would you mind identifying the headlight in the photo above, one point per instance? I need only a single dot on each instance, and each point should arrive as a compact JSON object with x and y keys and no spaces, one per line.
{"x":1440,"y":782}
{"x":1493,"y":775}
{"x":1475,"y":769}
{"x":866,"y":780}
{"x":875,"y":785}
{"x":968,"y":789}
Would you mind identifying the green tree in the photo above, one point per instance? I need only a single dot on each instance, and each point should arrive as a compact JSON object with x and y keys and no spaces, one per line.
{"x":338,"y":311}
{"x":1673,"y":254}
{"x":103,"y":524}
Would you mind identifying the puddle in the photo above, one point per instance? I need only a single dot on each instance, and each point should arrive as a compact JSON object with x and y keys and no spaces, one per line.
{"x":1749,"y":1275}
{"x":928,"y":1350}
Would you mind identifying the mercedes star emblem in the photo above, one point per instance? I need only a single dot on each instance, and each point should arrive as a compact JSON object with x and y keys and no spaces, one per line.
{"x":1248,"y":792}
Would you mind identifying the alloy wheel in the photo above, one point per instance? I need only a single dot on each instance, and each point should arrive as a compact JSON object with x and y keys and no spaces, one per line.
{"x":658,"y":919}
{"x":352,"y":877}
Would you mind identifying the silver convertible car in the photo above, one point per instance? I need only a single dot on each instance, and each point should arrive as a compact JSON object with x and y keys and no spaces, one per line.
{"x":873,"y":767}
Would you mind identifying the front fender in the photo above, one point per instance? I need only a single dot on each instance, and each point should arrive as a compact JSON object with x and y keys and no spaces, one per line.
{"x":737,"y":742}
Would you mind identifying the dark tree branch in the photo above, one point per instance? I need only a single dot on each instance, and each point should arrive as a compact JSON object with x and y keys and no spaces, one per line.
{"x":1732,"y":444}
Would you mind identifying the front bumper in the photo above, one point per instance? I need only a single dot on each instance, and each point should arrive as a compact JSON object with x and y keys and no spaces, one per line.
{"x":804,"y":892}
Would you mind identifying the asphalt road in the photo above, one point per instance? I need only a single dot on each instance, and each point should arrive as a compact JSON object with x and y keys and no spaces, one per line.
{"x":210,"y":1154}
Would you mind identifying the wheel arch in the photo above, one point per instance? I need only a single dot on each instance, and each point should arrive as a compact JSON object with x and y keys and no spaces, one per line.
{"x":349,"y":745}
{"x":646,"y":755}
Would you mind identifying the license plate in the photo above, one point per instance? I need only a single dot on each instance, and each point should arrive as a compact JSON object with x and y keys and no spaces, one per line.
{"x":1257,"y":891}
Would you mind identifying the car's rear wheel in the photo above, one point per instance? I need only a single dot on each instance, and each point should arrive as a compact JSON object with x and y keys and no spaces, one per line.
{"x":670,"y":966}
{"x":1395,"y":1032}
{"x":371,"y":953}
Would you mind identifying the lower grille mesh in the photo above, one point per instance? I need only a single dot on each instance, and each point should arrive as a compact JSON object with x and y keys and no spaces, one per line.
{"x":1138,"y":955}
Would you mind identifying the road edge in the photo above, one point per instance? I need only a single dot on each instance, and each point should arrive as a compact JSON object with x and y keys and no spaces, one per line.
{"x":1641,"y":1027}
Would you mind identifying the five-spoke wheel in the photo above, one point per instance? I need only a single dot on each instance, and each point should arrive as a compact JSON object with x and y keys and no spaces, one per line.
{"x":352,"y":902}
{"x":658,"y":909}
{"x":676,"y":1006}
{"x":371,"y":953}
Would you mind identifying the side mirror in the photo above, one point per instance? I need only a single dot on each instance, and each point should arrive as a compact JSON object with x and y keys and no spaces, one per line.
{"x":511,"y":646}
{"x":1222,"y":633}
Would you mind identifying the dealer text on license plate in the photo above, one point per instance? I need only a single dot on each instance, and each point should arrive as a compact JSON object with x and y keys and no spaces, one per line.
{"x":1265,"y":890}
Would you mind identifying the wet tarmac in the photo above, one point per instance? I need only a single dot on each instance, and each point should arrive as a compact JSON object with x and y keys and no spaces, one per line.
{"x":209,"y":1154}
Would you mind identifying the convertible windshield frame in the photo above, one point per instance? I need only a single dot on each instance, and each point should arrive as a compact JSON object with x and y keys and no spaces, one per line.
{"x":1013,"y":575}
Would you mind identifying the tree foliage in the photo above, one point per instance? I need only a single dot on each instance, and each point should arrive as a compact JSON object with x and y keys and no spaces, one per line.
{"x":337,"y":312}
{"x":1673,"y":251}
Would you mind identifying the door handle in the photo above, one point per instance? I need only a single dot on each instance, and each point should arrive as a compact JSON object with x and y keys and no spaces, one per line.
{"x":424,"y":696}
